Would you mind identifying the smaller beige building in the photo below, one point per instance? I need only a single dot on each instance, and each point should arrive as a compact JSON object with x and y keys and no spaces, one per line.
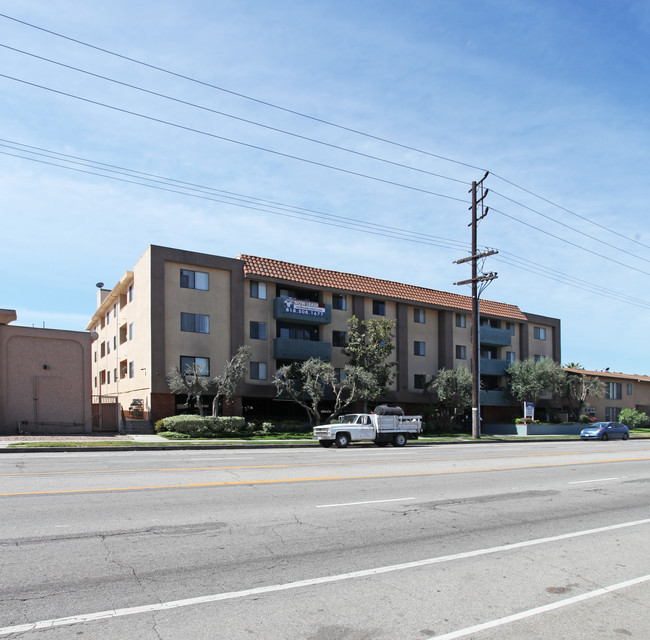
{"x":44,"y":379}
{"x":622,"y":391}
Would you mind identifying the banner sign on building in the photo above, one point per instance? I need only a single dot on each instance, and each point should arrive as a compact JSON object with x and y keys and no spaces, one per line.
{"x":304,"y":307}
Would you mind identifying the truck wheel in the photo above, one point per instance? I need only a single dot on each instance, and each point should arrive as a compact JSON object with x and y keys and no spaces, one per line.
{"x":326,"y":443}
{"x":342,"y":440}
{"x":399,"y":440}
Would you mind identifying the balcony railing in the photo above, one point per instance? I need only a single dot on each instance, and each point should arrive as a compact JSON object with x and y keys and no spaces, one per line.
{"x":495,"y":398}
{"x":496,"y":337}
{"x":288,"y":349}
{"x":492,"y":367}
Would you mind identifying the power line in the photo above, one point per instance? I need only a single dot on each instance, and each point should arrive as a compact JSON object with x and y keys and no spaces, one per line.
{"x":572,"y":244}
{"x":231,"y":140}
{"x":316,"y":119}
{"x":171,"y":185}
{"x":239,"y":95}
{"x":567,"y":226}
{"x":233,"y":117}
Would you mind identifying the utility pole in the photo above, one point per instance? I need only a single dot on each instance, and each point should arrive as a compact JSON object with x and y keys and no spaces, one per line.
{"x":484,"y":279}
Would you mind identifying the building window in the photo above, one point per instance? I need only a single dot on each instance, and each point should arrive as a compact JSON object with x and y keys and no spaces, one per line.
{"x":419,"y":348}
{"x":628,"y":389}
{"x":258,"y":370}
{"x":418,"y":316}
{"x":339,"y":338}
{"x":510,"y":356}
{"x":378,"y":308}
{"x":614,"y":391}
{"x":95,"y":382}
{"x":539,"y":333}
{"x":115,"y":310}
{"x":195,"y":280}
{"x":108,"y":317}
{"x":510,"y":328}
{"x":108,"y":377}
{"x":202,"y":363}
{"x":461,"y":320}
{"x":461,"y":352}
{"x":257,"y":330}
{"x":258,"y":289}
{"x":102,"y":377}
{"x":115,"y":375}
{"x":114,"y":342}
{"x":339,"y":302}
{"x":130,"y":293}
{"x":108,"y":347}
{"x":95,"y":356}
{"x":612,"y":413}
{"x":131,"y":369}
{"x":131,"y":331}
{"x":539,"y":358}
{"x":419,"y":381}
{"x":102,"y":350}
{"x":339,"y":374}
{"x":195,"y":322}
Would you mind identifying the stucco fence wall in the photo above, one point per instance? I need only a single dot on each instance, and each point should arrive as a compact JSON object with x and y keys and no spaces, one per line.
{"x":504,"y":429}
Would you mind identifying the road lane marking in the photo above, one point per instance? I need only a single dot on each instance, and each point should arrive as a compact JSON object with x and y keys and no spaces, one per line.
{"x":461,"y":633}
{"x":378,"y":476}
{"x":310,"y":582}
{"x":299,"y":465}
{"x":598,"y":480}
{"x":351,"y":504}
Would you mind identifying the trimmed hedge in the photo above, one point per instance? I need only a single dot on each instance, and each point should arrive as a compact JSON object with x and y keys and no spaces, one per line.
{"x":205,"y":426}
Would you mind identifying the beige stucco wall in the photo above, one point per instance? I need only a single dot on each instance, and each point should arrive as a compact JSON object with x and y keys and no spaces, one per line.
{"x":214,"y":303}
{"x":260,"y":310}
{"x":426,"y":332}
{"x":44,"y":380}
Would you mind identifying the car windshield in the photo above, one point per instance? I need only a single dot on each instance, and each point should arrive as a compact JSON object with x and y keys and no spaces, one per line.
{"x":598,"y":425}
{"x":349,"y":419}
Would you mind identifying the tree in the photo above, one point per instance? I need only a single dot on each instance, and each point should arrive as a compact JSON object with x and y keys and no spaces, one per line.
{"x":369,"y":346}
{"x":578,"y":387}
{"x":451,"y":391}
{"x":192,"y":382}
{"x":308,"y":383}
{"x":355,"y":384}
{"x":233,"y":373}
{"x":528,"y":379}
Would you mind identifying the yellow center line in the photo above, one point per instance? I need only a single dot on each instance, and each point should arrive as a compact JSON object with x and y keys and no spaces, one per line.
{"x":320,"y":478}
{"x":286,"y":466}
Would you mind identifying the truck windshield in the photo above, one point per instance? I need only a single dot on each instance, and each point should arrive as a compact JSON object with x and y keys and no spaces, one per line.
{"x":348,"y":419}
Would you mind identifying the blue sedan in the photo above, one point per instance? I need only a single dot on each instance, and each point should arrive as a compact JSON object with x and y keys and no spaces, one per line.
{"x":605,"y":431}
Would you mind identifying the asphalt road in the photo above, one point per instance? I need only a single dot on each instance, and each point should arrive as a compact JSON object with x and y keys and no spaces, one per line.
{"x":483,"y":541}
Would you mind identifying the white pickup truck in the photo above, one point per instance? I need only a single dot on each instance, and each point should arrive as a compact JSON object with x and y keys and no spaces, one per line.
{"x":377,"y":427}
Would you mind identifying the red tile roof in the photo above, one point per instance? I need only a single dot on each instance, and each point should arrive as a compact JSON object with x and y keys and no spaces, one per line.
{"x":610,"y":374}
{"x":289,"y":273}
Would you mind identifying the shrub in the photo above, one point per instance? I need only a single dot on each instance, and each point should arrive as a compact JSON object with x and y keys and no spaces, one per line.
{"x":204,"y":426}
{"x":633,"y":418}
{"x":584,"y":418}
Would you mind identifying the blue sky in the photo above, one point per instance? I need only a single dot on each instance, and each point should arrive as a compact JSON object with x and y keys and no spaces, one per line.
{"x":550,"y":96}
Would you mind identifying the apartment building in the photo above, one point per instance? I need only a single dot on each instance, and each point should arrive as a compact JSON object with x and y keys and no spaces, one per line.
{"x":621,"y":391}
{"x":177,"y":308}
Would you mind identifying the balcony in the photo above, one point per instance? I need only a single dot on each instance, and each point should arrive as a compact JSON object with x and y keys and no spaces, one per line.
{"x":288,"y":349}
{"x":303,"y":311}
{"x":492,"y":367}
{"x":495,"y":398}
{"x":495,"y":337}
